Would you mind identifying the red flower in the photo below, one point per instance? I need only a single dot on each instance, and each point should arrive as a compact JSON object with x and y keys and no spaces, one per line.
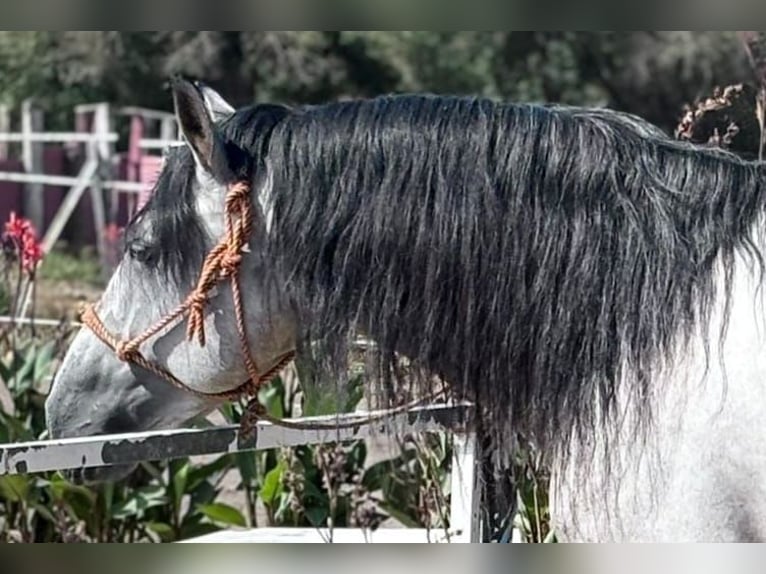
{"x":31,"y":253}
{"x":17,"y":227}
{"x":20,"y":238}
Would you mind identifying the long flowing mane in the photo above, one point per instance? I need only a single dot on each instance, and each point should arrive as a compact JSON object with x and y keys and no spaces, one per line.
{"x":541,"y":259}
{"x":535,"y":257}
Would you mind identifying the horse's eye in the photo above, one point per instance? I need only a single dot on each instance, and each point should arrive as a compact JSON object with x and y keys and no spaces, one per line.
{"x":138,"y":250}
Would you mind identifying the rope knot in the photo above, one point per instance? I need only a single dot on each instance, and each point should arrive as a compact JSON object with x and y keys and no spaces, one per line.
{"x":230,"y":261}
{"x":237,"y":197}
{"x":126,"y":351}
{"x":196,"y":325}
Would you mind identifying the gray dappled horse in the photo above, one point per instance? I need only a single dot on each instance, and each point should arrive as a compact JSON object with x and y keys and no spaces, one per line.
{"x":589,"y":283}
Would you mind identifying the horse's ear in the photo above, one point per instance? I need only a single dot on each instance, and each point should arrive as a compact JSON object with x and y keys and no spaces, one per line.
{"x":198,"y":128}
{"x":218,"y":108}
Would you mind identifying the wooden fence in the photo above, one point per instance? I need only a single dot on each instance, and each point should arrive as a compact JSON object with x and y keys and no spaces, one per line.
{"x":96,"y":451}
{"x":84,"y":160}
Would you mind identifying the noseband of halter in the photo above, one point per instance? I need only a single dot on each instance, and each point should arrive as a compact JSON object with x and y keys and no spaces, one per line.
{"x":221,"y":263}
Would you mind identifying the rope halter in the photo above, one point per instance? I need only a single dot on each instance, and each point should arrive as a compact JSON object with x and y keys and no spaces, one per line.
{"x":221,"y":263}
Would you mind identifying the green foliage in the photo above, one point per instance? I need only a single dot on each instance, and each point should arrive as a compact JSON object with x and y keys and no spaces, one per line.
{"x":59,"y":265}
{"x":312,"y":485}
{"x":5,"y":300}
{"x":652,"y":74}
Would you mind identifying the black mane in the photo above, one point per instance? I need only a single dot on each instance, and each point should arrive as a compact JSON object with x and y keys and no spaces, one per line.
{"x":530,"y":255}
{"x":533,"y":256}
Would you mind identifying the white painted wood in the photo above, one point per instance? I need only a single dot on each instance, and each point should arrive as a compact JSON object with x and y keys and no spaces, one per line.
{"x":72,"y":198}
{"x":323,"y":536}
{"x":32,"y":159}
{"x":465,"y":518}
{"x":83,"y":452}
{"x":5,"y":127}
{"x":127,"y":186}
{"x":100,"y":152}
{"x":8,"y":320}
{"x":51,"y":455}
{"x":161,"y":143}
{"x":58,"y":137}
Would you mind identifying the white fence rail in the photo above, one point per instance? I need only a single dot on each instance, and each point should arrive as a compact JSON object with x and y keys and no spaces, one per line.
{"x":129,"y":448}
{"x":85,"y":452}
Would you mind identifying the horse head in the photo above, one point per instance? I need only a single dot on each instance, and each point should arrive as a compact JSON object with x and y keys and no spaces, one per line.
{"x":166,"y":244}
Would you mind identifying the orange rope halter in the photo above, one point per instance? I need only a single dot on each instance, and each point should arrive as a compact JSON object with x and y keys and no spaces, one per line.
{"x":222,"y":262}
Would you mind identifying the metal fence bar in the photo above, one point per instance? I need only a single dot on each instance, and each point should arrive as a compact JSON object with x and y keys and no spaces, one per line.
{"x":128,"y":448}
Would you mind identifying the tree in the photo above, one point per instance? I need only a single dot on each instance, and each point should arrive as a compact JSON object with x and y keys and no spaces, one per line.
{"x":651,"y":74}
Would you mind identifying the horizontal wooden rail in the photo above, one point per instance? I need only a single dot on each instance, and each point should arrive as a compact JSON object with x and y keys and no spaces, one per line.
{"x":129,"y":448}
{"x":33,"y":321}
{"x":58,"y":137}
{"x":66,"y":181}
{"x":156,"y":143}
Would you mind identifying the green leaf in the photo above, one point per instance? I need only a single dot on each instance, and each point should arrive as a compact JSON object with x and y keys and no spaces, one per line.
{"x":400,"y":516}
{"x":355,"y":393}
{"x":43,"y":511}
{"x":223,"y":513}
{"x":6,"y":371}
{"x":163,"y":530}
{"x":318,"y":401}
{"x":203,"y":493}
{"x":140,"y":501}
{"x":108,"y":498}
{"x":317,"y":515}
{"x":24,"y":375}
{"x":14,"y":487}
{"x":179,"y":480}
{"x":357,"y":456}
{"x":60,"y":487}
{"x":272,"y":484}
{"x":43,"y":361}
{"x":14,"y":429}
{"x":195,"y":529}
{"x":228,"y":413}
{"x":375,"y":475}
{"x":198,"y":474}
{"x":126,"y":509}
{"x":248,"y":469}
{"x":272,"y":398}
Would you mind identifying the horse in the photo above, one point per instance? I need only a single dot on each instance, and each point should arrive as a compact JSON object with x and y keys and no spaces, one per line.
{"x":589,"y":283}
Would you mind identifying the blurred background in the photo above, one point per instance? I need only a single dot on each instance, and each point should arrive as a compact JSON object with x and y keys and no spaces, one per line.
{"x":84,"y":118}
{"x":651,"y":74}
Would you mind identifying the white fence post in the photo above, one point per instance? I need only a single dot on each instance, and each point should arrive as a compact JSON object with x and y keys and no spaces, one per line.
{"x":5,"y":127}
{"x":99,"y":152}
{"x":465,"y":518}
{"x":32,"y":158}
